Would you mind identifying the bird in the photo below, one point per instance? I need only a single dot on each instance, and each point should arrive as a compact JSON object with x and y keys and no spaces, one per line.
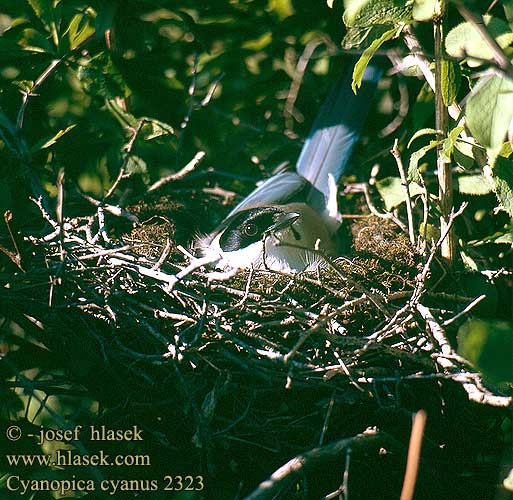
{"x":289,"y":222}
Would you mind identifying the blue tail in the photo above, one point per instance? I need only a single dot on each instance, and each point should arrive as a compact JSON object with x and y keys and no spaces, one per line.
{"x":327,"y":149}
{"x":337,"y":128}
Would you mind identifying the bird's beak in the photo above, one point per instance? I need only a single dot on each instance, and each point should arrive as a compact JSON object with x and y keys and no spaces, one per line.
{"x":283,"y":220}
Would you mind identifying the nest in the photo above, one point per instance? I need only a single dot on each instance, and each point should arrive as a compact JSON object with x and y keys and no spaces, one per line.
{"x":232,"y":377}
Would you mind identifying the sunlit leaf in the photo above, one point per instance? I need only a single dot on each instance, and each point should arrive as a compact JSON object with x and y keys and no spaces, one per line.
{"x":125,"y":118}
{"x":152,"y":129}
{"x":420,"y":133}
{"x":43,"y":9}
{"x":450,"y":142}
{"x":46,"y":143}
{"x":367,"y":22}
{"x":508,"y":482}
{"x":79,"y":30}
{"x":425,"y":10}
{"x":465,"y":41}
{"x":369,"y":13}
{"x":259,"y":43}
{"x":362,"y":63}
{"x":413,"y":167}
{"x":472,"y":184}
{"x":393,"y":193}
{"x":284,"y":8}
{"x":489,"y":111}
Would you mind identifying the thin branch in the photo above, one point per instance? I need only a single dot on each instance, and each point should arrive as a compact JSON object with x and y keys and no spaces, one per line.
{"x":112,"y":209}
{"x":180,"y":174}
{"x":397,"y":155}
{"x":128,"y":151}
{"x":299,"y":73}
{"x":31,"y":93}
{"x":286,"y":475}
{"x":443,"y":166}
{"x":423,"y":63}
{"x":364,"y":188}
{"x":14,"y":256}
{"x":465,"y":310}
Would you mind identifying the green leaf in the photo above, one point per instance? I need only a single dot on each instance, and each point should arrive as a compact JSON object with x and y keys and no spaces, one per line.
{"x":152,"y":129}
{"x":463,"y":154}
{"x":79,"y":30}
{"x":136,"y":165}
{"x":392,"y":191}
{"x":360,"y":66}
{"x":260,"y":43}
{"x":425,"y":10}
{"x":469,"y":262}
{"x":465,"y":41}
{"x":413,"y":167}
{"x":450,"y":142}
{"x":100,"y":77}
{"x":451,"y":81}
{"x":125,"y":118}
{"x":365,"y":13}
{"x":7,"y":124}
{"x":506,"y":238}
{"x":367,"y":21}
{"x":43,"y":9}
{"x":502,"y":173}
{"x":489,"y":111}
{"x":488,"y":344}
{"x":499,"y":237}
{"x":46,"y":143}
{"x":420,"y":133}
{"x":475,"y":185}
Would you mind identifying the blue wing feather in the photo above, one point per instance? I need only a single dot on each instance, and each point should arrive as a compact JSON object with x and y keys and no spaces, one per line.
{"x":337,"y":128}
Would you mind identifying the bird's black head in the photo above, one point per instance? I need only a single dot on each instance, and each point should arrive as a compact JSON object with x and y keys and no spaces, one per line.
{"x":249,"y":226}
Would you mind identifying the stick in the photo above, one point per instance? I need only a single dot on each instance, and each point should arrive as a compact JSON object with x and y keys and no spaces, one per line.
{"x":180,"y":174}
{"x":397,"y":155}
{"x":412,"y":464}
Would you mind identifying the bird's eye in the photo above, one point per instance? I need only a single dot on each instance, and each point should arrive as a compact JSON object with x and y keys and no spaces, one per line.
{"x":250,"y":229}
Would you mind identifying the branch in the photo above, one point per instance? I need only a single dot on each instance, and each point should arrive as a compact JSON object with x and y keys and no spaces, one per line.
{"x":286,"y":475}
{"x":443,"y":167}
{"x":180,"y":174}
{"x":397,"y":155}
{"x":471,"y":383}
{"x":423,"y":63}
{"x":30,"y":93}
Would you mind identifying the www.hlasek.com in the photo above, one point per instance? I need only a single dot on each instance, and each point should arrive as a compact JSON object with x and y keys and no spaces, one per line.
{"x":64,"y":487}
{"x":62,"y":458}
